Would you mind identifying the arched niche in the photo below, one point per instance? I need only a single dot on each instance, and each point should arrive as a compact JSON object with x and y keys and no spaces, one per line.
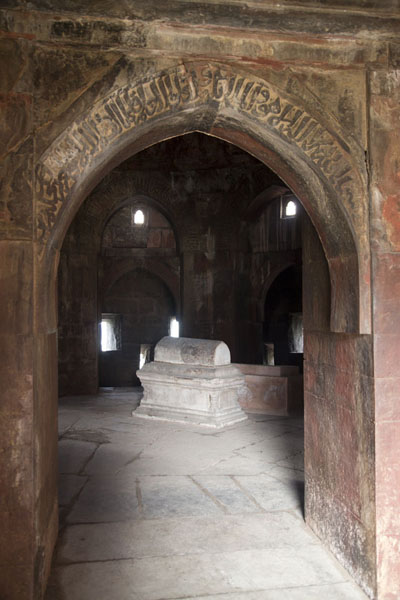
{"x":143,"y":305}
{"x":267,"y":285}
{"x":302,"y":144}
{"x":282,"y":310}
{"x":155,"y":268}
{"x":138,"y":200}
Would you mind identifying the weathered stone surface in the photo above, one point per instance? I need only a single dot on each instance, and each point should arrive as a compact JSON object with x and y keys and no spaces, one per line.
{"x":384,"y":112}
{"x":16,"y":287}
{"x":144,"y":305}
{"x":15,"y":74}
{"x":192,"y":381}
{"x":268,"y":17}
{"x":186,"y":351}
{"x":199,"y":515}
{"x":62,"y":76}
{"x":271,"y":390}
{"x":17,"y":123}
{"x":105,"y":84}
{"x":16,"y":210}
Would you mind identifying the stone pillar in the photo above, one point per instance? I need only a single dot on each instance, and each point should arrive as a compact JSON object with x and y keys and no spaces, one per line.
{"x":338,"y":426}
{"x":17,"y":486}
{"x":45,"y":407}
{"x":19,"y":540}
{"x":385,"y":233}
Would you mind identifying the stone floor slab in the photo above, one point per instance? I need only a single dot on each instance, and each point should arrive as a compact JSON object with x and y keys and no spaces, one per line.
{"x":337,"y":591}
{"x":74,"y":454}
{"x":227,"y":492}
{"x":160,"y":511}
{"x":113,"y":458}
{"x":192,"y":535}
{"x":173,"y":496}
{"x":68,"y":487}
{"x":106,"y":499}
{"x":272,"y":494}
{"x":193,"y":575}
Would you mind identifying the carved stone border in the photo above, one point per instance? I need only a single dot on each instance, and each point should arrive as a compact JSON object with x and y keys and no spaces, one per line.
{"x":216,"y":88}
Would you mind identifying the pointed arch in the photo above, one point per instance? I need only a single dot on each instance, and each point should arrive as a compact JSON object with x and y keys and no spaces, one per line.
{"x":303,"y":145}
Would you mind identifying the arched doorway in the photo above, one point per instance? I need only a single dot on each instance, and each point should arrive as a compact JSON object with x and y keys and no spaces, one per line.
{"x":314,"y":162}
{"x":283,"y":323}
{"x":103,"y":251}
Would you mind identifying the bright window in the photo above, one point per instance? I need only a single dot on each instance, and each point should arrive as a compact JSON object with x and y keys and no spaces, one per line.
{"x":174,"y":328}
{"x":138,"y":217}
{"x":296,"y":334}
{"x":144,"y":357}
{"x":290,"y":209}
{"x":110,"y":332}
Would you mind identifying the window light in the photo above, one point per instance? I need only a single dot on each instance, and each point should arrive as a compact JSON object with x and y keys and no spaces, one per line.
{"x":110,"y":332}
{"x":174,"y":328}
{"x":144,"y":354}
{"x":138,"y":217}
{"x":108,"y":339}
{"x":290,"y":209}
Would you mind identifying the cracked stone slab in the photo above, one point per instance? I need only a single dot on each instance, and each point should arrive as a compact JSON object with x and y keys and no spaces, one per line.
{"x":287,"y":473}
{"x":336,"y":591}
{"x":228,"y":493}
{"x":86,"y":435}
{"x":169,"y":524}
{"x":113,"y":458}
{"x":67,"y":419}
{"x":106,"y":499}
{"x":174,"y":496}
{"x":74,"y":454}
{"x":190,"y":535}
{"x":272,"y":494}
{"x":277,"y":449}
{"x":69,"y":486}
{"x":174,"y":577}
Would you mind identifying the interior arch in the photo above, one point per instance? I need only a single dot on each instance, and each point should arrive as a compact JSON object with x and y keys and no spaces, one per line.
{"x":64,"y":178}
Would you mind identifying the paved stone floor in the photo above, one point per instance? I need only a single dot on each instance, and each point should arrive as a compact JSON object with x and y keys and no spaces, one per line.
{"x":154,"y":511}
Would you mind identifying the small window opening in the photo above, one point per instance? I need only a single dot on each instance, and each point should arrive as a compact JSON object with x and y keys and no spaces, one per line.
{"x":296,"y":334}
{"x":174,"y":327}
{"x":138,"y":217}
{"x":288,"y":207}
{"x":145,"y":352}
{"x":110,"y":333}
{"x":269,"y":354}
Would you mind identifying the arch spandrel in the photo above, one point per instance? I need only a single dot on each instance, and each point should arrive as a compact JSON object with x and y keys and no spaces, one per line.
{"x":219,"y":99}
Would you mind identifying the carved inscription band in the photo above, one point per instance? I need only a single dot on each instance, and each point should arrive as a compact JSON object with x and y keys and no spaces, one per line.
{"x":133,"y":105}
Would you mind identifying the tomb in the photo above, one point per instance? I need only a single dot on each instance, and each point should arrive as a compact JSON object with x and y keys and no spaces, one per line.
{"x":193,"y":381}
{"x":272,"y":390}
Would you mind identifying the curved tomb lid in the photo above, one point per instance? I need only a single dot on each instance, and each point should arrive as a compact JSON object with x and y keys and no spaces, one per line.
{"x":190,"y":351}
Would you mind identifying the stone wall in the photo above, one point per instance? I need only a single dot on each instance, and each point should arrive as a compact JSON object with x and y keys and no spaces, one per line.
{"x":310,"y":90}
{"x":145,"y":306}
{"x":225,"y":210}
{"x":339,"y":456}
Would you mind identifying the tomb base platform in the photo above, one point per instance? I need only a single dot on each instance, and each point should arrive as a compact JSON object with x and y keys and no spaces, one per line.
{"x":200,"y":394}
{"x":272,"y":390}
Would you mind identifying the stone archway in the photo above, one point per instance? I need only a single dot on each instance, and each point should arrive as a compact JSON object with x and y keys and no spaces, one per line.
{"x":308,"y":150}
{"x":267,"y":284}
